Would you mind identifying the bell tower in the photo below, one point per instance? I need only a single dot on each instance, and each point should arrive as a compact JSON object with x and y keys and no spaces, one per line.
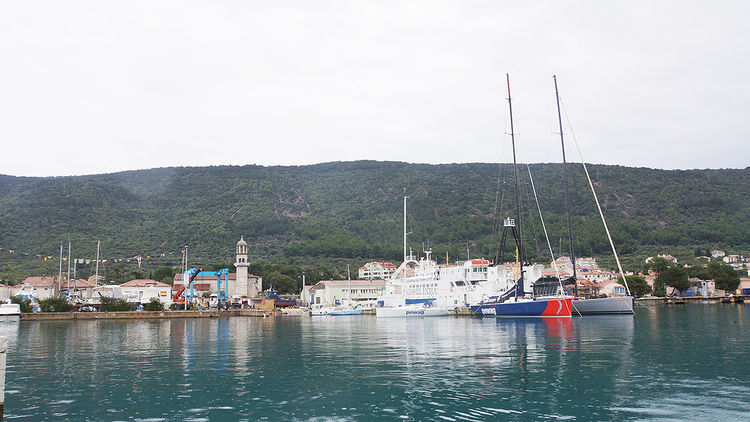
{"x":241,"y":264}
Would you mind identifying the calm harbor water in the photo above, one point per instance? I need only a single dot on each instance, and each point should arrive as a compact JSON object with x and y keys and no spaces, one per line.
{"x":678,"y":362}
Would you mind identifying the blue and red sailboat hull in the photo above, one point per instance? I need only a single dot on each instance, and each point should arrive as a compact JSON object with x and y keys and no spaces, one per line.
{"x":544,"y":308}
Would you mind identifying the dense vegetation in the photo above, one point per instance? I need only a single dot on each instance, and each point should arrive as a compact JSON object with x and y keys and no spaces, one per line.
{"x":324,"y":216}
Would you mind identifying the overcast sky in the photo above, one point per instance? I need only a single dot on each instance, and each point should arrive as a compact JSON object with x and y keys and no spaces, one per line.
{"x":101,"y":86}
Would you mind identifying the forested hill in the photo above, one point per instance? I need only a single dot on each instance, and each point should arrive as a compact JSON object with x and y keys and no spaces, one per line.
{"x":354,"y":210}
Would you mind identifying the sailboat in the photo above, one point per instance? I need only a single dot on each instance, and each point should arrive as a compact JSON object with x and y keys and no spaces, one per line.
{"x":513,"y":302}
{"x":595,"y":306}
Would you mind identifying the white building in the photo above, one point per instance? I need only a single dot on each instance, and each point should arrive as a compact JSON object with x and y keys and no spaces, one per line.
{"x":142,"y":290}
{"x":376,"y":270}
{"x":40,"y":287}
{"x":598,"y":276}
{"x":611,"y":288}
{"x":333,"y":292}
{"x":305,"y":295}
{"x":717,"y":254}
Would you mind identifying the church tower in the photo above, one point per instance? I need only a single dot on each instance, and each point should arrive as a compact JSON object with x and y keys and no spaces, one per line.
{"x":242,"y":286}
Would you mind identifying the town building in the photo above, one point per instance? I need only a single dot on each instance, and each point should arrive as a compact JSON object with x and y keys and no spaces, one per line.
{"x":717,"y":254}
{"x":611,"y":288}
{"x":305,"y":295}
{"x":5,"y":292}
{"x":583,"y":265}
{"x":598,"y":276}
{"x":563,"y":264}
{"x":376,"y":270}
{"x":731,"y":259}
{"x":142,"y":290}
{"x":333,"y":292}
{"x":41,"y":287}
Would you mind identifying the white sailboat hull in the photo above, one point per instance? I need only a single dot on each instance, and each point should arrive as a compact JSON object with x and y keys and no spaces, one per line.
{"x":604,"y":305}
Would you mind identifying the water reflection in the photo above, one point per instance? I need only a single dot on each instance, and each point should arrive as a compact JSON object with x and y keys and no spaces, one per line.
{"x":599,"y":368}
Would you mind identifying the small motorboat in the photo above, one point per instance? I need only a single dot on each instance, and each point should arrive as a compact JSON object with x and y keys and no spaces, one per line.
{"x":10,"y":309}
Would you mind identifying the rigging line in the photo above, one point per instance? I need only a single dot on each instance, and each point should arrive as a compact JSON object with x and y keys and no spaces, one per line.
{"x":544,"y":226}
{"x":598,"y":206}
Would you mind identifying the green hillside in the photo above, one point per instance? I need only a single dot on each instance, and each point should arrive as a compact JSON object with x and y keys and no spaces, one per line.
{"x":352,"y":211}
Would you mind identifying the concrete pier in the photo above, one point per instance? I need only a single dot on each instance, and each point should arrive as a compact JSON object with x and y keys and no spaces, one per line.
{"x":61,"y":316}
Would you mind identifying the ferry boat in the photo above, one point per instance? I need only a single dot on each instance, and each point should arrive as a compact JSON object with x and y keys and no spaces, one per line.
{"x":424,"y":283}
{"x":411,"y":311}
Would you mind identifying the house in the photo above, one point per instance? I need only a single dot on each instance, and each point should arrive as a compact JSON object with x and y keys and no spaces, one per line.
{"x":333,"y":292}
{"x":668,"y":257}
{"x":731,"y":259}
{"x":376,"y":270}
{"x":598,"y":276}
{"x":611,"y":288}
{"x":717,"y":254}
{"x":143,"y":290}
{"x":583,"y":263}
{"x":42,"y":287}
{"x":702,"y":288}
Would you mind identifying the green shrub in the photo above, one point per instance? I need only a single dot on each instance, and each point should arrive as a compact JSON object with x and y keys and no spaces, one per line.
{"x":55,"y":304}
{"x":153,"y":305}
{"x":25,"y":304}
{"x":116,"y":305}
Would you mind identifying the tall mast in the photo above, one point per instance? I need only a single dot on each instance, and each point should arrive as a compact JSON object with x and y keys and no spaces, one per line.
{"x":59,"y":273}
{"x":349,"y":276}
{"x":405,"y":197}
{"x":519,"y":286}
{"x":565,"y":180}
{"x":96,"y":276}
{"x":68,"y":266}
